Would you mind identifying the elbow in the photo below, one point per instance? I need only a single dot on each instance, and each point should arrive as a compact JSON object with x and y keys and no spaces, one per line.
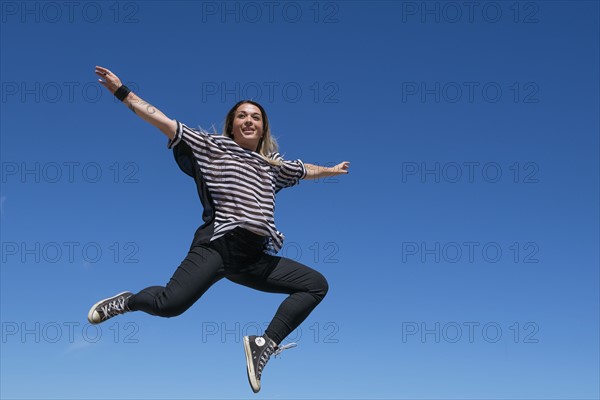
{"x":169,"y":128}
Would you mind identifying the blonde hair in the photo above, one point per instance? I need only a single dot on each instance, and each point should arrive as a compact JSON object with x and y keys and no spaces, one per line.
{"x":267,"y":144}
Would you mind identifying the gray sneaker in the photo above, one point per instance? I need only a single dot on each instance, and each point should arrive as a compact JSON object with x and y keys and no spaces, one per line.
{"x":259,"y":350}
{"x":108,"y":308}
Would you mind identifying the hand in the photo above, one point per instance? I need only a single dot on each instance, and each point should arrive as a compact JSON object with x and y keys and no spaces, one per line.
{"x":342,"y":168}
{"x":111,"y":81}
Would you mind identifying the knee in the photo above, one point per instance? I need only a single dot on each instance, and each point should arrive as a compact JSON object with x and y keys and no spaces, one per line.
{"x":321,"y":287}
{"x":168,"y":313}
{"x":158,"y":301}
{"x":170,"y":309}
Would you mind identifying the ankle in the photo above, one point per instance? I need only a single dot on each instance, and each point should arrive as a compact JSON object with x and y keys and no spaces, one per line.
{"x":126,"y":304}
{"x":270,"y":338}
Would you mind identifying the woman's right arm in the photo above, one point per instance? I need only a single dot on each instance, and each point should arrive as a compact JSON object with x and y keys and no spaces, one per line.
{"x":141,"y":108}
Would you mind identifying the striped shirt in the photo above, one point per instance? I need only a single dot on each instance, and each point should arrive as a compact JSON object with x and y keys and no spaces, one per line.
{"x":238,"y":185}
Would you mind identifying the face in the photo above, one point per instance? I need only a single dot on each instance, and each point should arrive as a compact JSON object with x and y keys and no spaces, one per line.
{"x":247,"y":126}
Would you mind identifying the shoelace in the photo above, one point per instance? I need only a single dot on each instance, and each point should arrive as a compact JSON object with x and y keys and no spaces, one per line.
{"x":282,"y":348}
{"x":271,"y":350}
{"x":113,"y":308}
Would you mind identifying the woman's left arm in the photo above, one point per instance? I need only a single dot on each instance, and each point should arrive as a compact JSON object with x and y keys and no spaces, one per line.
{"x":316,"y":172}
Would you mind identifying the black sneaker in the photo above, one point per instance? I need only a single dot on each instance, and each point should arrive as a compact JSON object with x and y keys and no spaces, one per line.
{"x":108,"y":308}
{"x":259,"y":350}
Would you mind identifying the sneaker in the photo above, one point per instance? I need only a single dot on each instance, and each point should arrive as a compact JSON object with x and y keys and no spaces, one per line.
{"x":259,"y":350}
{"x":108,"y":308}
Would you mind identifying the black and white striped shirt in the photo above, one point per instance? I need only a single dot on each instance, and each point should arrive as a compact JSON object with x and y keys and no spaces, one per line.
{"x":237,"y":186}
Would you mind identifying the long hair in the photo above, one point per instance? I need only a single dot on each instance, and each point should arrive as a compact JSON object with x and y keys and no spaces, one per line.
{"x":267,"y":143}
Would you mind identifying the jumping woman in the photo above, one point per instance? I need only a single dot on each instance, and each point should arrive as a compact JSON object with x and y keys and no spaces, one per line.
{"x":237,"y":175}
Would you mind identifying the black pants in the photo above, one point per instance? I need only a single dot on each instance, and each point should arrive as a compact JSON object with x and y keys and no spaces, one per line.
{"x":238,"y":256}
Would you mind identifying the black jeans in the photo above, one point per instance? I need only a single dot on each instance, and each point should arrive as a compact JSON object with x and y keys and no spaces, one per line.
{"x":238,"y":256}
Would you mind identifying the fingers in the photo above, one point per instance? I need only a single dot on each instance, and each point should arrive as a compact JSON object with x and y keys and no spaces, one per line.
{"x":101,"y":74}
{"x":103,"y":71}
{"x":109,"y":80}
{"x":343,"y":167}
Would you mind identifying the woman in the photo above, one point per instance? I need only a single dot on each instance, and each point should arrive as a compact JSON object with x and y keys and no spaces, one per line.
{"x":237,"y":175}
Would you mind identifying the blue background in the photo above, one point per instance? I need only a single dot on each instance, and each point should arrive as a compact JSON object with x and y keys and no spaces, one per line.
{"x":94,"y":204}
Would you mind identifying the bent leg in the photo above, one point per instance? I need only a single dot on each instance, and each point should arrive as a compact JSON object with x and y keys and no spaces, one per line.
{"x":201,"y":268}
{"x":305,"y":286}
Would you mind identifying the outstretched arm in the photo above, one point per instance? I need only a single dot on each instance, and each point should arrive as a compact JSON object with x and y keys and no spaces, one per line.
{"x":316,"y":172}
{"x":141,"y":108}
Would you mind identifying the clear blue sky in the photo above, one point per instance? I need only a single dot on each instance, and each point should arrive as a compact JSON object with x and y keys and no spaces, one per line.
{"x":461,"y":250}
